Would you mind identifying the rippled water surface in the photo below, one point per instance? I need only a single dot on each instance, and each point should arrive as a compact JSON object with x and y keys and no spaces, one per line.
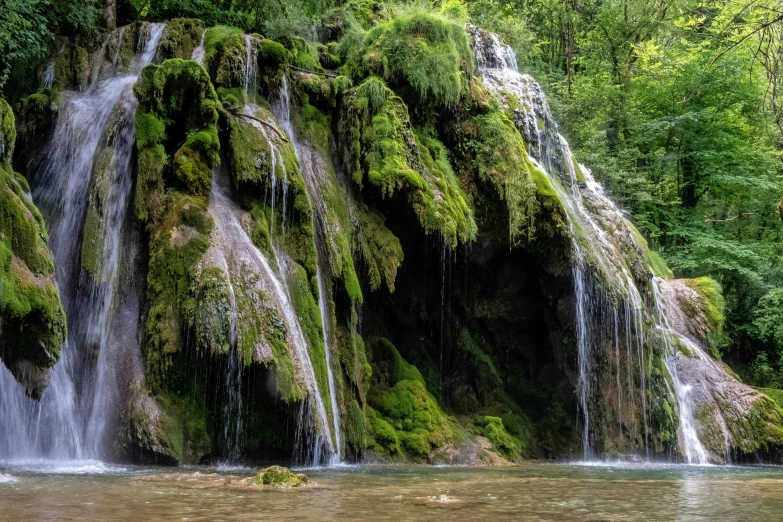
{"x":532,"y":491}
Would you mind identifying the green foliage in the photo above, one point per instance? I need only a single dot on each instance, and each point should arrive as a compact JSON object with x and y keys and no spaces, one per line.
{"x":427,"y":52}
{"x":27,"y":29}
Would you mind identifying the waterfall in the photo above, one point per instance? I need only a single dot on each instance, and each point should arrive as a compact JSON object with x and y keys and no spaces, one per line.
{"x":606,"y":282}
{"x":309,"y":170}
{"x":315,"y":404}
{"x":198,"y":53}
{"x":87,"y":160}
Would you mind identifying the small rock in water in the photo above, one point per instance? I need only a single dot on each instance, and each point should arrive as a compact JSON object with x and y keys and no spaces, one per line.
{"x":280,"y":477}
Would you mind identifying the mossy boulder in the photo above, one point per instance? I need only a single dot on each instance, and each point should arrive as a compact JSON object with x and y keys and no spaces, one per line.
{"x":404,"y":420}
{"x":280,"y":477}
{"x":176,"y":133}
{"x":502,"y":442}
{"x":36,"y":117}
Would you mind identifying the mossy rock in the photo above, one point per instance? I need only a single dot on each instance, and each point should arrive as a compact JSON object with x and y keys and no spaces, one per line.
{"x":31,"y":313}
{"x":182,"y":36}
{"x":492,"y":428}
{"x":176,"y":133}
{"x":280,"y":477}
{"x":7,"y":131}
{"x":36,"y":117}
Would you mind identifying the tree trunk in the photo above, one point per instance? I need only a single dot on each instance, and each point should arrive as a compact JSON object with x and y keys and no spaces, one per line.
{"x":110,"y":15}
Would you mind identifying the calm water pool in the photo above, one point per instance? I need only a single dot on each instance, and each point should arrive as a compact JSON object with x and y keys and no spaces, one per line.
{"x":531,"y":491}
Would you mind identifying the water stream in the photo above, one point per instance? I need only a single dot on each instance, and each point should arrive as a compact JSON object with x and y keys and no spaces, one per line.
{"x":308,"y":167}
{"x":70,"y":421}
{"x":327,"y":431}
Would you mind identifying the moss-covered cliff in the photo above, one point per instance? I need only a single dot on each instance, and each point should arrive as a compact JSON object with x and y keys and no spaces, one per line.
{"x":31,"y":315}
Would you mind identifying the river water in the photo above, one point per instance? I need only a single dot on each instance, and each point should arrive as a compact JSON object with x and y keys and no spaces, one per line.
{"x":531,"y":491}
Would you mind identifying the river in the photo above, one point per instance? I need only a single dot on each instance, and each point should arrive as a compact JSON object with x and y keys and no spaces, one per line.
{"x":527,"y":492}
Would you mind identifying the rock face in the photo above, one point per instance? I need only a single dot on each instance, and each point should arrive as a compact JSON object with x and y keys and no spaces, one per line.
{"x":152,"y":433}
{"x":732,"y":419}
{"x":31,"y":315}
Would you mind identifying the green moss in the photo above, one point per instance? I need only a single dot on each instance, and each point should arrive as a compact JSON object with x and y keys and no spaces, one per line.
{"x":379,"y":248}
{"x":273,"y":52}
{"x":36,"y":115}
{"x":304,"y":54}
{"x":149,"y":182}
{"x":501,"y":160}
{"x":280,"y":477}
{"x":492,"y":428}
{"x":150,"y":130}
{"x":383,"y":436}
{"x":404,"y":419}
{"x":304,"y":301}
{"x":211,"y":314}
{"x":189,"y":427}
{"x":659,"y":267}
{"x":429,"y":53}
{"x":177,"y":102}
{"x":713,"y":306}
{"x":94,"y":237}
{"x":341,"y":85}
{"x":7,"y":131}
{"x":182,"y":36}
{"x":178,"y":240}
{"x":214,"y":39}
{"x":229,"y":71}
{"x":32,"y":317}
{"x":382,"y":148}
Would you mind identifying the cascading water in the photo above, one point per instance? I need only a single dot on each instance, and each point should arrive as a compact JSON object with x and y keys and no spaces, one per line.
{"x":308,"y":168}
{"x":198,"y":53}
{"x":89,"y":154}
{"x":314,"y":405}
{"x":606,"y":295}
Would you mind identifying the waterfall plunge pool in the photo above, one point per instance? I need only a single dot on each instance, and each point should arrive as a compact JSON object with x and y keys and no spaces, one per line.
{"x":530,"y":491}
